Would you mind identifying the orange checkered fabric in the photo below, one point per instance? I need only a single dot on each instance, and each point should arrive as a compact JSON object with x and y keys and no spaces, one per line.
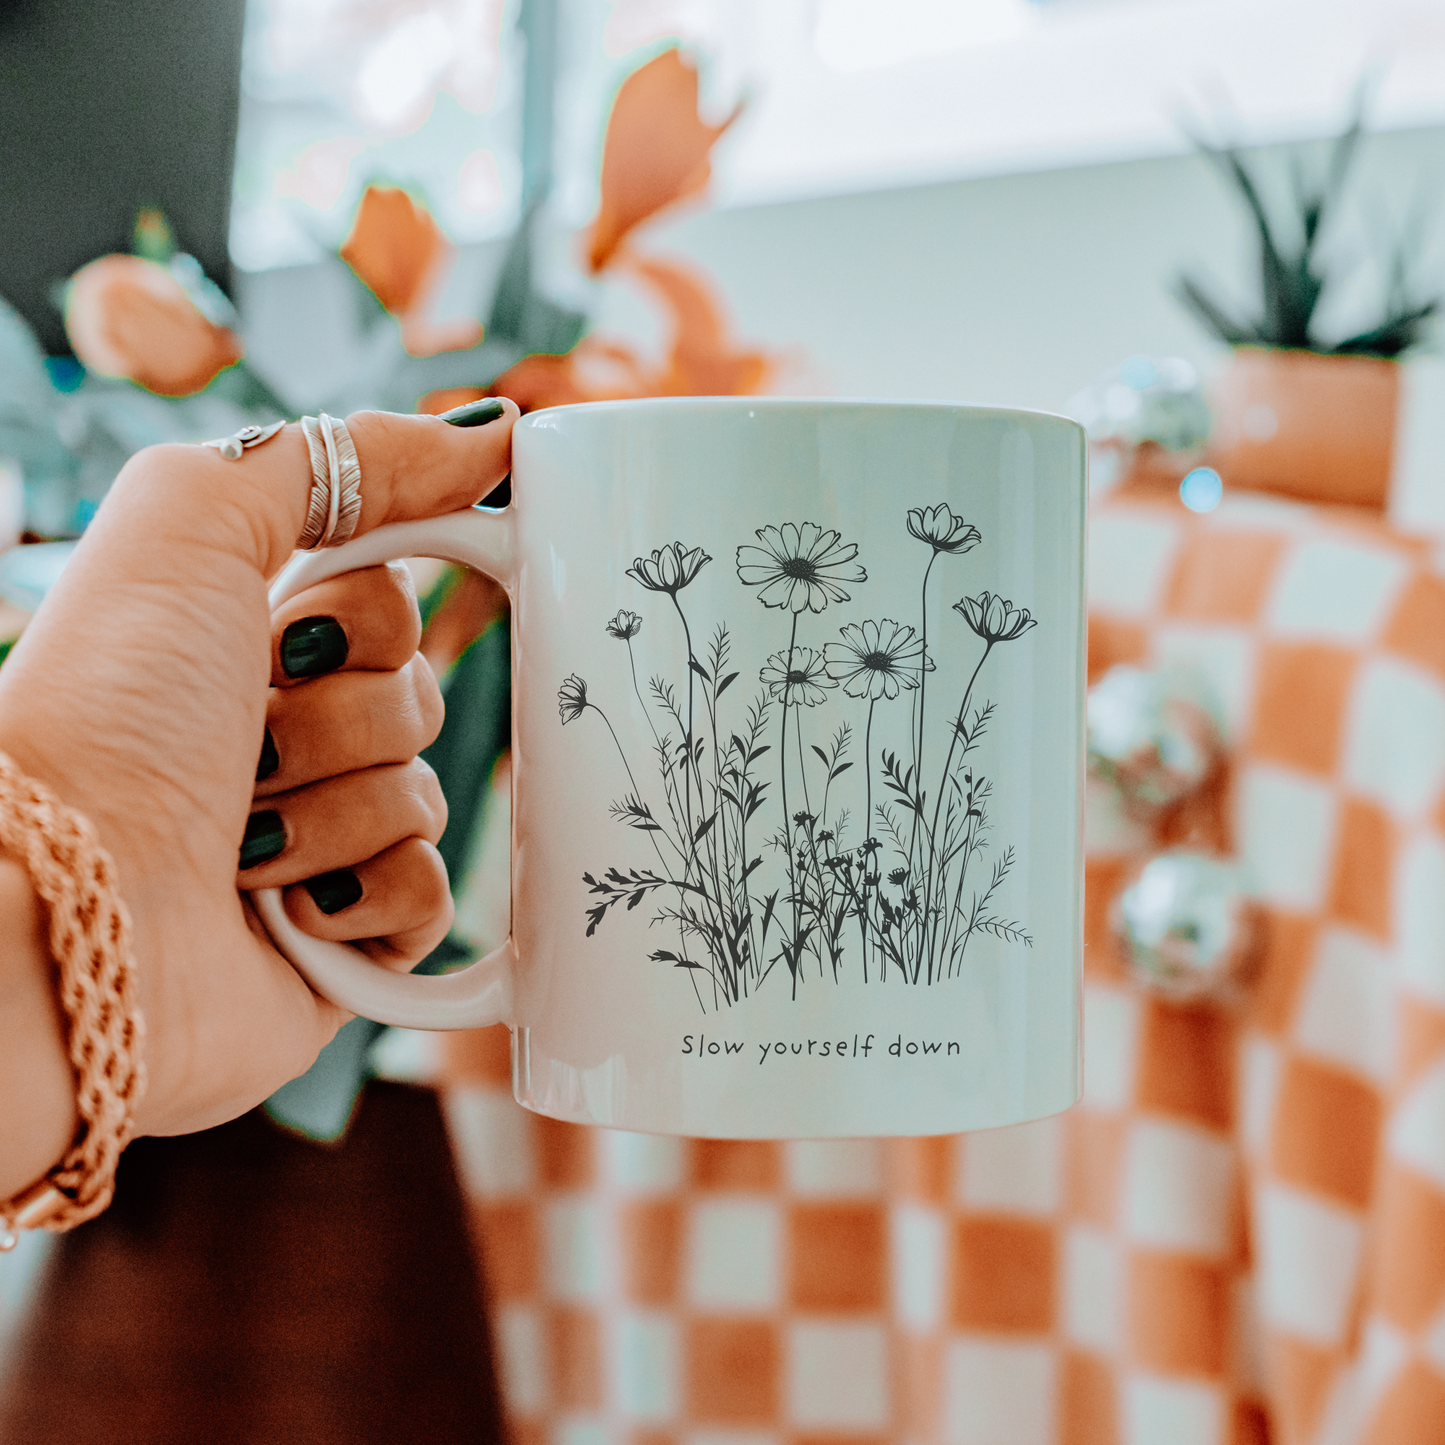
{"x":1237,"y":1238}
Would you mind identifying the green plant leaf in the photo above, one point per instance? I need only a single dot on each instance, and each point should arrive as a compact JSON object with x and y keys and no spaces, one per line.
{"x":1213,"y":316}
{"x":1291,"y":286}
{"x":1392,"y":337}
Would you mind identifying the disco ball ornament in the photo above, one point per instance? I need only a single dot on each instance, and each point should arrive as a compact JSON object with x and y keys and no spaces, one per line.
{"x":1151,"y":736}
{"x":1187,"y":927}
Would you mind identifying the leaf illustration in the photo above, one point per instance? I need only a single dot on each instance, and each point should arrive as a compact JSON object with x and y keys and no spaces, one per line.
{"x":889,"y":896}
{"x":769,"y":903}
{"x":1009,"y":932}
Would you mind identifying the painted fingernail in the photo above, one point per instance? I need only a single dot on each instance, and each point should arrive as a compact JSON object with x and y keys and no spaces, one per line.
{"x":265,"y":838}
{"x":270,"y":758}
{"x":313,"y":646}
{"x":475,"y":413}
{"x":331,"y":892}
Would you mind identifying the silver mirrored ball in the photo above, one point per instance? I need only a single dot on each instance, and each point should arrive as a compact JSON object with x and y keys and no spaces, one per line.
{"x":1151,"y":735}
{"x":1188,"y":928}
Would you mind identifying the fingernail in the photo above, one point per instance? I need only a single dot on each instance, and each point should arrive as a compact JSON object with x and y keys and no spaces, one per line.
{"x":313,"y":646}
{"x":270,"y":758}
{"x":332,"y":892}
{"x":265,"y":838}
{"x":475,"y":413}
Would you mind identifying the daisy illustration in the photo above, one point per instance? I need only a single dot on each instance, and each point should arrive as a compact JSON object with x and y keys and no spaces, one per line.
{"x":876,"y":659}
{"x":799,"y":566}
{"x":781,"y":845}
{"x":800,"y":682}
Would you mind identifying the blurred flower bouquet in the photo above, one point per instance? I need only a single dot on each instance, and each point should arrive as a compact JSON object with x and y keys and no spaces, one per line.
{"x":157,"y":359}
{"x":158,"y":355}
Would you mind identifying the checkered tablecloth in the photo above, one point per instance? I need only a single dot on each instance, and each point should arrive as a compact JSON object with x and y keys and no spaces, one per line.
{"x":1237,"y":1238}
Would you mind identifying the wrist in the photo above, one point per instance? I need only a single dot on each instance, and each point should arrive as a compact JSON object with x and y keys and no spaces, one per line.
{"x":87,"y":934}
{"x":37,"y":1083}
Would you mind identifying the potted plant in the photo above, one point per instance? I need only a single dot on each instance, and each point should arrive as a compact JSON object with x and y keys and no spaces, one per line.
{"x":1297,"y":411}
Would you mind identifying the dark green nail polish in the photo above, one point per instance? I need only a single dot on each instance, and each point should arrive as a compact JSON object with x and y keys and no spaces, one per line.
{"x":331,"y":892}
{"x":475,"y":413}
{"x":313,"y":646}
{"x":270,"y":758}
{"x":265,"y":838}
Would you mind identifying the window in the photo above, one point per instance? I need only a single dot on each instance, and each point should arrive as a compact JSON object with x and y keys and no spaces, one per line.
{"x":338,"y":93}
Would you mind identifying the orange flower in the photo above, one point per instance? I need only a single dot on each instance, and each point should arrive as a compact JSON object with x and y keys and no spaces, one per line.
{"x":656,"y":151}
{"x":542,"y":380}
{"x":703,"y":359}
{"x":130,"y":317}
{"x":400,"y":252}
{"x":394,"y":246}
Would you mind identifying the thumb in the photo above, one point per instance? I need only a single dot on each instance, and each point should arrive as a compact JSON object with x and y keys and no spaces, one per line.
{"x":254,"y":509}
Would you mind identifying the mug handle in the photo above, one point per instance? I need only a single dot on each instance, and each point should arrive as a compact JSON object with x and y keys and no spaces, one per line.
{"x":472,"y":997}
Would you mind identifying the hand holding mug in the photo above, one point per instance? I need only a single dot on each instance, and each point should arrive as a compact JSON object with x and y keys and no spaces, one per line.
{"x":797,"y":768}
{"x":141,"y":694}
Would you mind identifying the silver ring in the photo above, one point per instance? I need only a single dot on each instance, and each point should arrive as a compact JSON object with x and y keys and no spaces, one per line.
{"x":233,"y":446}
{"x":334,"y":506}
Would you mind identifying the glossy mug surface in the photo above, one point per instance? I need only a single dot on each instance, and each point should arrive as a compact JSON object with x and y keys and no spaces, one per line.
{"x":798,"y":696}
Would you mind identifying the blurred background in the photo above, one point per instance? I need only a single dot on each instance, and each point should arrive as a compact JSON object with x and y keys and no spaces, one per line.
{"x":1212,"y":231}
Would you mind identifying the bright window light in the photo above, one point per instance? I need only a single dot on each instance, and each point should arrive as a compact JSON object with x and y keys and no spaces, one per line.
{"x":854,"y":35}
{"x":335,"y":94}
{"x":401,"y":69}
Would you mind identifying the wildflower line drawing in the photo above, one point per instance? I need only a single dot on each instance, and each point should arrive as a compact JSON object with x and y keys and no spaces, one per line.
{"x":763,"y":863}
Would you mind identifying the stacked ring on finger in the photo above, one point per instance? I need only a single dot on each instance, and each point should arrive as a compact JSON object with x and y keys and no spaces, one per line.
{"x":334,"y":507}
{"x":235,"y":446}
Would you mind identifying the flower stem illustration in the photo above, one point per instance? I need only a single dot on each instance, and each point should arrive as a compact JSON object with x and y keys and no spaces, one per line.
{"x":896,"y":896}
{"x":949,"y":534}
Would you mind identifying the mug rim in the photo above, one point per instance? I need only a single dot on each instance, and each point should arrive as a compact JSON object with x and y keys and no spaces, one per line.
{"x":800,"y":403}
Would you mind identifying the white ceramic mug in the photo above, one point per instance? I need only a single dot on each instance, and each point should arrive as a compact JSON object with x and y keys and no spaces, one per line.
{"x":741,"y":628}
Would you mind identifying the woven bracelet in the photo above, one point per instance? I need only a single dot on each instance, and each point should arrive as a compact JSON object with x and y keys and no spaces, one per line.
{"x":90,"y":942}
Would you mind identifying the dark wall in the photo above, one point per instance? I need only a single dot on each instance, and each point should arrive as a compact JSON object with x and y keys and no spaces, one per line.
{"x":107,"y":106}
